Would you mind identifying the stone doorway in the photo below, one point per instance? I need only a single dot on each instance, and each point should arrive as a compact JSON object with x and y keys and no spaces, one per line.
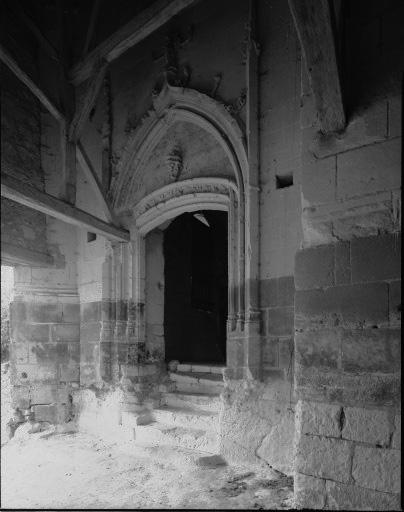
{"x":196,"y":287}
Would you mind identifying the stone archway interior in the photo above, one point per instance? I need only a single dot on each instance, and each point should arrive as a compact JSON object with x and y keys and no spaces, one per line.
{"x":187,"y":288}
{"x":195,"y":291}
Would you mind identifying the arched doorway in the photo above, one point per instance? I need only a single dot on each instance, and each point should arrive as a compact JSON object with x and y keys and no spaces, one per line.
{"x":196,"y":287}
{"x":176,"y":218}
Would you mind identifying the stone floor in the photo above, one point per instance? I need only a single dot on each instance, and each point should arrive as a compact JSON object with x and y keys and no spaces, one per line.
{"x":76,"y":471}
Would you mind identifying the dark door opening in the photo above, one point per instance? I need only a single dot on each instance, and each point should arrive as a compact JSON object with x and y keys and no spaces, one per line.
{"x":195,"y":294}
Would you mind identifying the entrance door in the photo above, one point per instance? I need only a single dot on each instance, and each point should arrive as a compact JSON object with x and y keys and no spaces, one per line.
{"x":196,"y":281}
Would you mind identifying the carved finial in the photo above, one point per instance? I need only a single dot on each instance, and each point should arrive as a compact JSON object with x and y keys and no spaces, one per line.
{"x":174,"y":162}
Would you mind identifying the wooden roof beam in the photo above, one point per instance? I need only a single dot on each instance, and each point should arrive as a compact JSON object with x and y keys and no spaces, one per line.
{"x":313,"y":23}
{"x":92,"y":177}
{"x":13,"y":65}
{"x":25,"y":194}
{"x":137,"y":29}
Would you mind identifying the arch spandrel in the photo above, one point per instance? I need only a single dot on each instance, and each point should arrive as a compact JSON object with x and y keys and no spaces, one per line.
{"x":184,"y":152}
{"x":174,"y":105}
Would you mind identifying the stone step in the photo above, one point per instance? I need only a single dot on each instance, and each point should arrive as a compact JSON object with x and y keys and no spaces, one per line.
{"x":201,"y":368}
{"x":198,"y":401}
{"x":157,"y":433}
{"x":197,"y":382}
{"x":186,"y":417}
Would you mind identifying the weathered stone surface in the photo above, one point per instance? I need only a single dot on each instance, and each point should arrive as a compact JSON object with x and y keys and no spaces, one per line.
{"x":25,"y":333}
{"x":376,"y":468}
{"x":396,"y":440}
{"x":270,"y":351}
{"x":20,"y":352}
{"x":318,"y":418}
{"x":318,"y":185}
{"x":369,"y":169}
{"x":324,"y":458}
{"x":20,"y":397}
{"x":277,"y":447}
{"x":286,"y":291}
{"x":342,"y":263}
{"x":65,"y":332}
{"x":325,"y":385}
{"x":71,"y":312}
{"x":351,"y":497}
{"x":367,"y":425}
{"x":318,"y":348}
{"x":395,"y":302}
{"x":376,"y":258}
{"x":355,"y":305}
{"x":46,"y":413}
{"x":286,"y":353}
{"x":371,"y":350}
{"x":90,"y":332}
{"x":280,"y":321}
{"x":44,"y":313}
{"x":210,"y":461}
{"x":252,"y":412}
{"x":277,"y":292}
{"x":309,"y":492}
{"x":90,"y":311}
{"x":314,"y":268}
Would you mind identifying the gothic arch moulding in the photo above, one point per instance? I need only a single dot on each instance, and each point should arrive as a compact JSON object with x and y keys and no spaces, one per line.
{"x":173,"y":105}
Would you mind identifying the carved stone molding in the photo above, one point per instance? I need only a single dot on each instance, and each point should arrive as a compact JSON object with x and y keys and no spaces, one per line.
{"x":174,"y":162}
{"x":176,"y":104}
{"x":196,"y":193}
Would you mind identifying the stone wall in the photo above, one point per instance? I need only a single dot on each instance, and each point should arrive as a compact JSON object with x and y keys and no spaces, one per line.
{"x":347,"y":381}
{"x":348,"y":279}
{"x":23,"y":231}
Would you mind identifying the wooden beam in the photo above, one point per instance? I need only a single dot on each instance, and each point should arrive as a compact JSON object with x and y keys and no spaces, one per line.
{"x":92,"y":177}
{"x":27,"y":195}
{"x":90,"y":31}
{"x":137,"y":29}
{"x":314,"y":28}
{"x":12,"y":64}
{"x":18,"y":11}
{"x":82,"y":113}
{"x":15,"y":255}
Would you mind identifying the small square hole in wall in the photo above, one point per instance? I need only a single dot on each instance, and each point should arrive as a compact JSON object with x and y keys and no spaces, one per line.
{"x":91,"y":236}
{"x":284,"y":181}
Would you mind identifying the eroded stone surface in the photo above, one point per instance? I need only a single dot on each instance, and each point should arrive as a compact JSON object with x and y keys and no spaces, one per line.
{"x":376,"y":468}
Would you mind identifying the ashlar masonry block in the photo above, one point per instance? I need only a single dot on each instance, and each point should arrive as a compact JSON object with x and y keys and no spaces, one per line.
{"x":324,"y":458}
{"x":352,"y":497}
{"x":309,"y":491}
{"x":314,"y":268}
{"x":318,"y":418}
{"x":377,"y":469}
{"x":372,"y":426}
